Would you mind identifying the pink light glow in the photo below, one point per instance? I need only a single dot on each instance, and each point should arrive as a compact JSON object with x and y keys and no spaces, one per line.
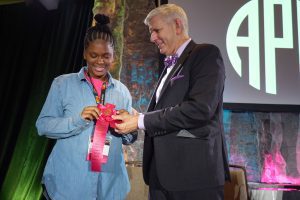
{"x":274,"y":170}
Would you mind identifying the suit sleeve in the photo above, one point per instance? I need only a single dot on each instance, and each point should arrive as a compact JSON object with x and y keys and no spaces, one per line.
{"x":204,"y":96}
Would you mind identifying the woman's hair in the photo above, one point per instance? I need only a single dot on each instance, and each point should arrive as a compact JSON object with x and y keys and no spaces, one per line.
{"x":99,"y":31}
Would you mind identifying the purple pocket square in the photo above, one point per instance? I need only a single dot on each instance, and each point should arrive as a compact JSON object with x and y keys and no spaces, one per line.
{"x":173,"y":79}
{"x":177,"y":77}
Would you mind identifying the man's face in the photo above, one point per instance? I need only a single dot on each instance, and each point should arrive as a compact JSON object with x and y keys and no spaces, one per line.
{"x":163,"y":34}
{"x":99,"y":58}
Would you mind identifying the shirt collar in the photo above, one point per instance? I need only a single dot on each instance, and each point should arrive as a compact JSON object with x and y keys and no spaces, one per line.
{"x":111,"y":80}
{"x":182,"y":47}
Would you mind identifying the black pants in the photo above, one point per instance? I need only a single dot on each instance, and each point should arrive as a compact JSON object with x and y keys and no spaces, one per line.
{"x":158,"y":192}
{"x":216,"y":193}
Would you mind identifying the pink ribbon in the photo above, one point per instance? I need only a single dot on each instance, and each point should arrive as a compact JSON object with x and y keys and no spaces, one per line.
{"x":105,"y":120}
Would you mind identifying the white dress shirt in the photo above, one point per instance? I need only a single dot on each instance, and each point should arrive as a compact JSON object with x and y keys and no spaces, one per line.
{"x":161,"y":84}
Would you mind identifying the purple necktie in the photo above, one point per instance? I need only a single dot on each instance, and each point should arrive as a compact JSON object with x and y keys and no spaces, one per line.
{"x":170,"y":60}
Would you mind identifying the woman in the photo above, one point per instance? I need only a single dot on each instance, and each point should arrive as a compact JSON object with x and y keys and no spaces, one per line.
{"x":82,"y":165}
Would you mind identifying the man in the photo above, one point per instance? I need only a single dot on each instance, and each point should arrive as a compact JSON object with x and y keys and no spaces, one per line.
{"x":184,"y":149}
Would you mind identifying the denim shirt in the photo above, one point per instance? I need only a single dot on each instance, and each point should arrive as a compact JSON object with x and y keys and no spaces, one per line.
{"x":68,"y":174}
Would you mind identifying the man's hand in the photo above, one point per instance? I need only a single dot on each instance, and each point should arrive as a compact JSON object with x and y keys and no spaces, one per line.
{"x":129,"y":123}
{"x":122,"y":111}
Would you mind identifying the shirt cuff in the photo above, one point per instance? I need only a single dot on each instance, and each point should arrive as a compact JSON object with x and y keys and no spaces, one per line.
{"x":78,"y":121}
{"x":141,"y":121}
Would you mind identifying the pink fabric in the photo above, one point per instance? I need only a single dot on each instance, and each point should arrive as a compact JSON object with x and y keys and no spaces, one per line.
{"x":98,"y":85}
{"x":96,"y":155}
{"x":102,"y":124}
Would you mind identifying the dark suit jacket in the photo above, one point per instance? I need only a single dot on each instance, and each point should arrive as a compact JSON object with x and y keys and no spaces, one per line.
{"x":184,"y":129}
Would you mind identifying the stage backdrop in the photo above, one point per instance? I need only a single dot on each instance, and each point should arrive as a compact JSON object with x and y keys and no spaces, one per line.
{"x":267,"y":143}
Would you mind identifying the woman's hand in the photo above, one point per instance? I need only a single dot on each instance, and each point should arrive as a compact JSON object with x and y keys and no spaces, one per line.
{"x":90,"y":113}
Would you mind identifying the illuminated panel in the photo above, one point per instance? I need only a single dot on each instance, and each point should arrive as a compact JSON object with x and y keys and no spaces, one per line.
{"x":271,"y":42}
{"x":233,"y":41}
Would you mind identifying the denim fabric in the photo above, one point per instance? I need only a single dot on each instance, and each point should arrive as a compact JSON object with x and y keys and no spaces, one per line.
{"x":67,"y":174}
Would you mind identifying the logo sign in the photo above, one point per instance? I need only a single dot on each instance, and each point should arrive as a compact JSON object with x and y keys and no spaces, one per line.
{"x":252,"y":41}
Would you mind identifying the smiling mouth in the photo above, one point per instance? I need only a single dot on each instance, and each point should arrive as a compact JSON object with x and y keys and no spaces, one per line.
{"x":99,"y":69}
{"x":160,"y":45}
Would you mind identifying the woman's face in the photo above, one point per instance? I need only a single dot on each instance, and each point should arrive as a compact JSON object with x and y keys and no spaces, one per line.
{"x":99,"y":57}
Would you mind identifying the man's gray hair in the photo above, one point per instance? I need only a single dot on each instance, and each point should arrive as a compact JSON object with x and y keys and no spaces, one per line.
{"x":169,"y":12}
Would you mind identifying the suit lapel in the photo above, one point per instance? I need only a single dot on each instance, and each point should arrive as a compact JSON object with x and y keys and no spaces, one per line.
{"x":183,"y":57}
{"x":153,"y":98}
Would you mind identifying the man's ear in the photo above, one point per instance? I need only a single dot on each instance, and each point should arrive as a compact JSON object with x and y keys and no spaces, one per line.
{"x":178,"y":26}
